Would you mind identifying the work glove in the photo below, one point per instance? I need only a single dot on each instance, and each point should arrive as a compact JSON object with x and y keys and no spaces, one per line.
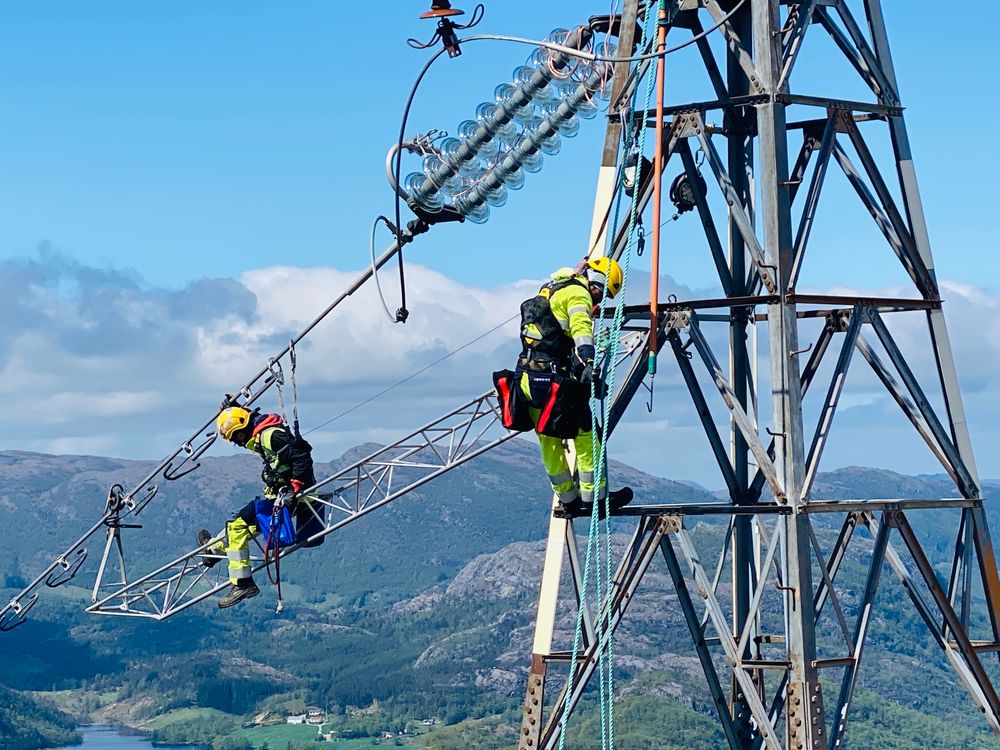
{"x":296,"y":485}
{"x":600,"y":387}
{"x":589,"y":375}
{"x":584,"y":366}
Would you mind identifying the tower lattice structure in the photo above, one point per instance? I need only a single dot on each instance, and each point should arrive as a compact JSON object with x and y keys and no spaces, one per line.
{"x":763,"y":151}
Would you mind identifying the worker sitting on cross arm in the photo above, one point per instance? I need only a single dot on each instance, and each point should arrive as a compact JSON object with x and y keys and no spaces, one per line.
{"x":553,"y":381}
{"x":288,"y":469}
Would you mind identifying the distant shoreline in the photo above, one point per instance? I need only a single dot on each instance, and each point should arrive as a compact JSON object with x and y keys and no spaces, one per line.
{"x":142,"y":739}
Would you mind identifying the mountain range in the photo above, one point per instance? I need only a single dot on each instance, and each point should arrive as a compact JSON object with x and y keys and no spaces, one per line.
{"x":423,"y":608}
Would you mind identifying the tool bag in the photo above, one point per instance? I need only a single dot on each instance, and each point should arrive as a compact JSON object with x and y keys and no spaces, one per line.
{"x":563,"y":404}
{"x":282,"y":530}
{"x":290,"y":528}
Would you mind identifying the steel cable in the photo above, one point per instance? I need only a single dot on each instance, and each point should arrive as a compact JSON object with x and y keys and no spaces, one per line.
{"x":412,"y":375}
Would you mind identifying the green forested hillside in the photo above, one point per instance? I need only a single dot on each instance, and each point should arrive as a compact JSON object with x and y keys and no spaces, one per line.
{"x":422,"y":610}
{"x":26,"y":724}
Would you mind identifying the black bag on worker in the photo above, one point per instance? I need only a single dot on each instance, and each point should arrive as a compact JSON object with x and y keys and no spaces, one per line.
{"x":563,"y":404}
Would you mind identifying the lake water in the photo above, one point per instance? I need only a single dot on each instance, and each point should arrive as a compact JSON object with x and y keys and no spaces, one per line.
{"x":101,"y":737}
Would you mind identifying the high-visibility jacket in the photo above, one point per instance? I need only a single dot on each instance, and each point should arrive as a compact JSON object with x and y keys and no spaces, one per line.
{"x":285,"y":456}
{"x":571,"y":304}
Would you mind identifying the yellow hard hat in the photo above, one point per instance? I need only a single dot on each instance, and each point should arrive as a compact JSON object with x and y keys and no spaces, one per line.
{"x":231,"y":420}
{"x":605,"y":272}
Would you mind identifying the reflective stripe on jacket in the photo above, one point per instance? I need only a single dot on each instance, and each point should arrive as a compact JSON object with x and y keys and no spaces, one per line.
{"x":571,"y":305}
{"x":285,"y":458}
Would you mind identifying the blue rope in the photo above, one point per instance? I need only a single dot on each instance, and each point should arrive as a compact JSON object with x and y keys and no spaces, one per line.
{"x":612,"y":334}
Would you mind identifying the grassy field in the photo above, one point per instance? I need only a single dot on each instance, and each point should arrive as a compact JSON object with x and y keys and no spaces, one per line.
{"x":183,"y":714}
{"x":274,"y":737}
{"x":277,"y":736}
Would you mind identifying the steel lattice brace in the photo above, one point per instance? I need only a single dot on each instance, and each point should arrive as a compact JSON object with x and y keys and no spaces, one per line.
{"x":351,"y":493}
{"x":369,"y":484}
{"x":764,"y":676}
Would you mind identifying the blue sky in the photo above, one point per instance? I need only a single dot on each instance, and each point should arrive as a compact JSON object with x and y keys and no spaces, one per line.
{"x":159,"y":159}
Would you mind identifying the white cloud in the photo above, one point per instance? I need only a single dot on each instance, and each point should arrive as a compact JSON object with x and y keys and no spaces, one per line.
{"x":59,"y":408}
{"x":860,"y":399}
{"x":95,"y":361}
{"x":356,"y":342}
{"x":69,"y":446}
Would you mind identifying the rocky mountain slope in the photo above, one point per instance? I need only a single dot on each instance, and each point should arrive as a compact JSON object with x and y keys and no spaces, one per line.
{"x":424,"y":607}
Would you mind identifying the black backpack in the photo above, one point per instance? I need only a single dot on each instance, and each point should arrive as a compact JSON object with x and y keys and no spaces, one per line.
{"x":551,"y":341}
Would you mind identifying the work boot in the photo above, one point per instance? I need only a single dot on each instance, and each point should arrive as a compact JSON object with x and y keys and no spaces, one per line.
{"x":570,"y":509}
{"x":618,"y":499}
{"x":204,"y":537}
{"x":245,"y":589}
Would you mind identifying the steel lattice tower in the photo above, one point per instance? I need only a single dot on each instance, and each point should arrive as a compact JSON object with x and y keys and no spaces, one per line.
{"x":762,"y":669}
{"x":777,"y":147}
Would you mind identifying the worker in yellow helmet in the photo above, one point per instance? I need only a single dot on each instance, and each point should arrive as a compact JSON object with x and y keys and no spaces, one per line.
{"x":288,"y":469}
{"x":550,"y":389}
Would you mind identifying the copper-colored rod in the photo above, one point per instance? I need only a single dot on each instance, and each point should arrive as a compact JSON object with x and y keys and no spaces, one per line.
{"x":654,"y":277}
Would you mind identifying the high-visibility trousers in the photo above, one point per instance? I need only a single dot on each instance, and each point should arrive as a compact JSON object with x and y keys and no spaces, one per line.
{"x":556,"y":466}
{"x":240,"y":529}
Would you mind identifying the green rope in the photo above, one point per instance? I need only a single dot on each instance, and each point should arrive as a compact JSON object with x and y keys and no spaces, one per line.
{"x":612,"y":335}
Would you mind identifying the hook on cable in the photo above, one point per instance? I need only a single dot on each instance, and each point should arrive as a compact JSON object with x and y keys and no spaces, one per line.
{"x":69,"y":569}
{"x":277,"y":374}
{"x":172,"y":473}
{"x":137,"y":506}
{"x":649,"y":404}
{"x":17,"y":614}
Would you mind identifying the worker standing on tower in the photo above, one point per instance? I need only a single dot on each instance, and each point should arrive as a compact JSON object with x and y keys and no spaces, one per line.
{"x":288,"y":469}
{"x":550,"y":389}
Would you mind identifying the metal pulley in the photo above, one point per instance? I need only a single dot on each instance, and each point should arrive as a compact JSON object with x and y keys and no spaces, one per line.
{"x":682,"y":192}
